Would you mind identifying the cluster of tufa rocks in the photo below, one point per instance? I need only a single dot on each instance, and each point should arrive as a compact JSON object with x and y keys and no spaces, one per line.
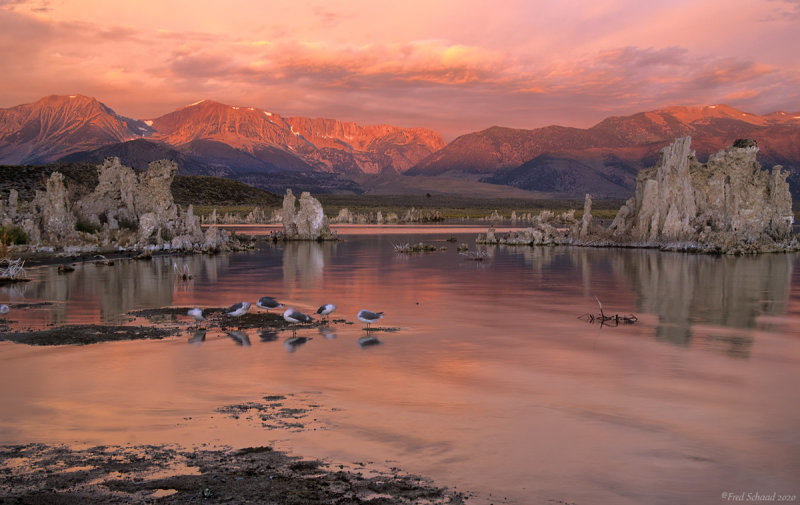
{"x":127,"y":210}
{"x":728,"y":205}
{"x":412,"y":215}
{"x":306,"y":223}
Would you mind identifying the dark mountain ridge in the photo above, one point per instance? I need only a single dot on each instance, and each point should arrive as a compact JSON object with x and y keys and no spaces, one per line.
{"x":325,"y":155}
{"x":604,"y":159}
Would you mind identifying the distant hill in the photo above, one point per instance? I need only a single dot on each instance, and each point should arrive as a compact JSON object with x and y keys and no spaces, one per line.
{"x":81,"y":179}
{"x":569,"y":177}
{"x":141,"y":152}
{"x":208,"y":190}
{"x":604,"y":159}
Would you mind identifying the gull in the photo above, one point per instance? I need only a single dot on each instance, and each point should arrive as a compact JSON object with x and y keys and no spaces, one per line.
{"x":4,"y":309}
{"x":267,"y":302}
{"x":368,"y":317}
{"x":238,"y":309}
{"x":197,"y":314}
{"x":294,"y":317}
{"x":326,"y":309}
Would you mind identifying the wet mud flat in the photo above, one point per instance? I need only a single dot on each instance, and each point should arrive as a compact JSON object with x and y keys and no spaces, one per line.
{"x":43,"y":474}
{"x":58,"y":474}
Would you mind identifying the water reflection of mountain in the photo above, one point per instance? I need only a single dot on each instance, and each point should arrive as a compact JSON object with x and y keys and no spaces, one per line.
{"x":699,"y":299}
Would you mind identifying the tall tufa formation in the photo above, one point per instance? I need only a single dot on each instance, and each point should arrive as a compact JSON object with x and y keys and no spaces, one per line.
{"x":140,"y":204}
{"x":727,"y":205}
{"x":306,"y":223}
{"x":56,"y":222}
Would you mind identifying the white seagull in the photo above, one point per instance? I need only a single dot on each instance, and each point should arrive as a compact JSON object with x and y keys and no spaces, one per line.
{"x":368,"y":317}
{"x":326,"y":309}
{"x":294,"y":317}
{"x":197,"y":314}
{"x":238,"y":309}
{"x":267,"y":302}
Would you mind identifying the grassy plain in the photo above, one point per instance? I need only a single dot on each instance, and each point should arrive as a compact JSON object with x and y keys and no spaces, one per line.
{"x":450,"y":207}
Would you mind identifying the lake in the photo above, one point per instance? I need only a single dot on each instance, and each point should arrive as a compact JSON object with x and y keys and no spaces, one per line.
{"x":491,"y":383}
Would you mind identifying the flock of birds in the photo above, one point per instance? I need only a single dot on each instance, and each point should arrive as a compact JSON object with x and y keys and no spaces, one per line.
{"x":290,"y":315}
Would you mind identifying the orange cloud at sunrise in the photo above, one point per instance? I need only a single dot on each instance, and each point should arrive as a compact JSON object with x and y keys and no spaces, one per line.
{"x":455,"y":66}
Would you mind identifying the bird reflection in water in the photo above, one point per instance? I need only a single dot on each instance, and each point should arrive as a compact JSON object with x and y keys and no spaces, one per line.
{"x":327,"y":332}
{"x":267,"y":335}
{"x":368,"y":341}
{"x":240,"y":338}
{"x":197,"y":336}
{"x":293,"y":343}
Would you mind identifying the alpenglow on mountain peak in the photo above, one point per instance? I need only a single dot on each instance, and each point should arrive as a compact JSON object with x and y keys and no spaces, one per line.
{"x":56,"y":126}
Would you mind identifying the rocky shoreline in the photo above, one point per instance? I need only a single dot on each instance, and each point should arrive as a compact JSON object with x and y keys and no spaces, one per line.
{"x":40,"y":474}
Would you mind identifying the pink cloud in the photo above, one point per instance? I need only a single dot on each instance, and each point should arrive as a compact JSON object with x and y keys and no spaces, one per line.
{"x":453,"y":66}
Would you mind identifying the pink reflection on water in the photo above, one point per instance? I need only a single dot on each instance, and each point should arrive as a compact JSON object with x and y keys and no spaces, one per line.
{"x":492,"y":383}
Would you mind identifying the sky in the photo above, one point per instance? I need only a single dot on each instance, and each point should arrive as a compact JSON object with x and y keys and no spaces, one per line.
{"x":455,"y":66}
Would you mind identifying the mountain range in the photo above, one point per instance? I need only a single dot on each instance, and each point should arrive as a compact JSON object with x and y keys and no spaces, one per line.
{"x":272,"y":152}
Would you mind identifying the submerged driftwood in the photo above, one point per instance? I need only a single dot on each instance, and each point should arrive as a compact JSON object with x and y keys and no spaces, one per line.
{"x":603,"y":319}
{"x":728,"y":205}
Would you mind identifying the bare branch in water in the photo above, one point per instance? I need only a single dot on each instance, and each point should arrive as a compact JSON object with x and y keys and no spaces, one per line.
{"x":605,"y":320}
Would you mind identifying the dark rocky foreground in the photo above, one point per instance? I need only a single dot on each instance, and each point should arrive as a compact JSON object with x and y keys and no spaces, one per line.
{"x":42,"y":474}
{"x":58,"y":474}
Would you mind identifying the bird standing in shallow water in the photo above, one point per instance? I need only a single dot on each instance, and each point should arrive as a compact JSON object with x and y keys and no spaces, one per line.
{"x":238,"y":309}
{"x":365,"y":316}
{"x":326,"y":309}
{"x":197,"y":314}
{"x":267,"y":302}
{"x":294,"y":317}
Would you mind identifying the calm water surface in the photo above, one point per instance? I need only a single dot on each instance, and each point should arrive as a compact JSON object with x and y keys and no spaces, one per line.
{"x":491,"y":384}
